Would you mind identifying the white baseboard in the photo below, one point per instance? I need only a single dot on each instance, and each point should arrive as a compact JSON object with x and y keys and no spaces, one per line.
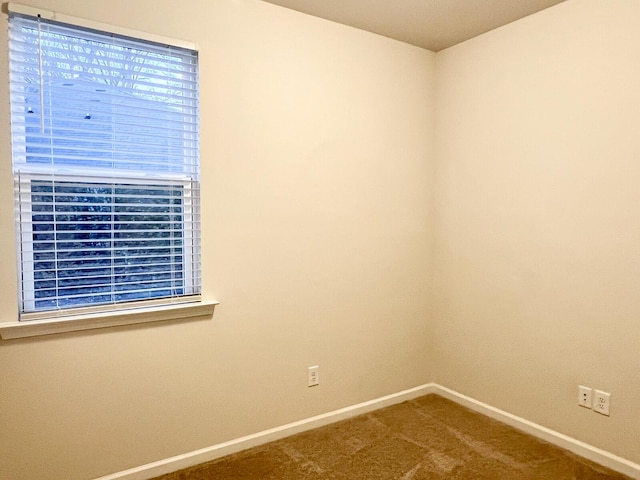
{"x":171,"y":464}
{"x":207,"y":454}
{"x":582,"y":449}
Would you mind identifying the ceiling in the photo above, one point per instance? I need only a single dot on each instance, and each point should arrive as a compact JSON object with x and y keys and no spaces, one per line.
{"x":430,"y":24}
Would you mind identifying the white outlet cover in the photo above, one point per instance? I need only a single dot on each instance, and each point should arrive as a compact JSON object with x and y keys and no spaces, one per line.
{"x":313,"y":376}
{"x":601,"y":402}
{"x":585,"y":395}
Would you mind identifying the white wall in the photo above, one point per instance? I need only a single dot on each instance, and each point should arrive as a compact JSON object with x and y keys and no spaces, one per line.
{"x":538,"y":218}
{"x":316,"y":182}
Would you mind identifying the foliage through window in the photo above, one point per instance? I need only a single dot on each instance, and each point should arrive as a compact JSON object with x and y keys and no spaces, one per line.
{"x":106,"y":167}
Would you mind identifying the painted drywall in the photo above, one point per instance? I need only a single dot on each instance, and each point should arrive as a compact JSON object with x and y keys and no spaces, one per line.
{"x":538,"y":219}
{"x":316,"y":145}
{"x":317,"y":160}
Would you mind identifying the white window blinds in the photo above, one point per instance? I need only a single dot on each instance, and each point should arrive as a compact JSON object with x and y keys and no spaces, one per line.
{"x":106,"y":167}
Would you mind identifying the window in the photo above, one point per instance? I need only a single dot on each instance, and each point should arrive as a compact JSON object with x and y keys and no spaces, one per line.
{"x":106,"y":168}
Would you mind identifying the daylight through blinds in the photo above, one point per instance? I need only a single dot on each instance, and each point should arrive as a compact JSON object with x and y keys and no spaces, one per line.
{"x":106,"y":164}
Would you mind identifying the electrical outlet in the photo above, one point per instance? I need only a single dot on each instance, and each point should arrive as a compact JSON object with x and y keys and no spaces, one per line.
{"x":313,"y":376}
{"x":601,"y":402}
{"x":584,"y":396}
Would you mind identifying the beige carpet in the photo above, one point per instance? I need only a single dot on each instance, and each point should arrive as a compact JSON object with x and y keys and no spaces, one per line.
{"x":426,"y":438}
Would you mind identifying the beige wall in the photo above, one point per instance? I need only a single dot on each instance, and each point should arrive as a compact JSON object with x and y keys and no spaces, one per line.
{"x":538,"y":218}
{"x":317,"y":159}
{"x":316,"y":183}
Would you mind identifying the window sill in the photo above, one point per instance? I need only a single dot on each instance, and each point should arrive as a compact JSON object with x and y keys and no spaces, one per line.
{"x":33,"y":328}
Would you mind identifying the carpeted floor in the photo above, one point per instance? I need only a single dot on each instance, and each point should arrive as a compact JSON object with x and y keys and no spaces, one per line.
{"x":426,"y":438}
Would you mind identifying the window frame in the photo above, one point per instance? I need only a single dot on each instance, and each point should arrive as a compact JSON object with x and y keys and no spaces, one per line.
{"x":27,"y":277}
{"x":141,"y":311}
